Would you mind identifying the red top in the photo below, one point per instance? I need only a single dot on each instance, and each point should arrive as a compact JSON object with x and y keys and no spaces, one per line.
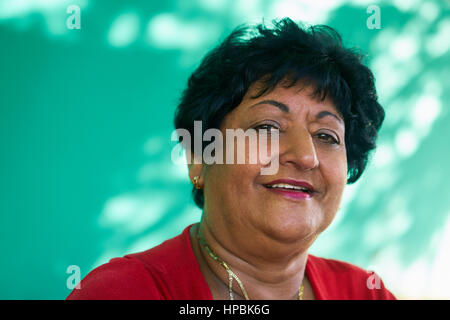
{"x":171,"y":271}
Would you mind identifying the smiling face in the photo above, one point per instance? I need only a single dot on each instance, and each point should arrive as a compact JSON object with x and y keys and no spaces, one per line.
{"x":238,"y":201}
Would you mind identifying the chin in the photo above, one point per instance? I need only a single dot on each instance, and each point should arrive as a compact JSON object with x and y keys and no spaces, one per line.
{"x":293,"y":230}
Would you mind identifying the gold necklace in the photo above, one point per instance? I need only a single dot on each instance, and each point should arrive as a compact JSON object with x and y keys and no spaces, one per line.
{"x":231,"y":274}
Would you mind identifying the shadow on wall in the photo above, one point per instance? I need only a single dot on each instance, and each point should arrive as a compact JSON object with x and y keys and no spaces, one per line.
{"x":88,"y":118}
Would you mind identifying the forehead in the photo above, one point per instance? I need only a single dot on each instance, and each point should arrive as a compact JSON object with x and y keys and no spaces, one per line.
{"x":299,"y":97}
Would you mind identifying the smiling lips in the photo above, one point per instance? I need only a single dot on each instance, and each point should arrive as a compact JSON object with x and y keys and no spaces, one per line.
{"x":292,"y":188}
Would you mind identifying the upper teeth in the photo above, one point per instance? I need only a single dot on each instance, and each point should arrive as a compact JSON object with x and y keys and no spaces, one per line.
{"x":288,"y":186}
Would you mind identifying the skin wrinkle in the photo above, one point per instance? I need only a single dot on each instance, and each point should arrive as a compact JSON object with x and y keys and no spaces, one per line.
{"x":263,"y":236}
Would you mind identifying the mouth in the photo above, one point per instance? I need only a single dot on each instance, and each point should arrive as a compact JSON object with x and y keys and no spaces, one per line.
{"x":292,"y":188}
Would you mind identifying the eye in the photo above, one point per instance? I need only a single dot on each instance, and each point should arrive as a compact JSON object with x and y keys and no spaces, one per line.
{"x":267,"y":127}
{"x":327,"y":138}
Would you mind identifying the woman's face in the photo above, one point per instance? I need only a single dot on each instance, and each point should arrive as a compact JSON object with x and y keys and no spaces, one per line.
{"x":311,"y":150}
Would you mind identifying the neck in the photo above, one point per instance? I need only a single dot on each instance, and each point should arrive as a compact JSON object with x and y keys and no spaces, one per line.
{"x":265,"y":274}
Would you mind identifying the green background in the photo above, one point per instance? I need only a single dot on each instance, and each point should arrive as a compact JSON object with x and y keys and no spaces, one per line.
{"x":86,"y":119}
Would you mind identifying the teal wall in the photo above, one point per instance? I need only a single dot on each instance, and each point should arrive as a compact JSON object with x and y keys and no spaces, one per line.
{"x":86,"y":118}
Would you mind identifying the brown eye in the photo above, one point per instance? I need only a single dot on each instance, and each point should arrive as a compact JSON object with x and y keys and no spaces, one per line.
{"x":326,"y":138}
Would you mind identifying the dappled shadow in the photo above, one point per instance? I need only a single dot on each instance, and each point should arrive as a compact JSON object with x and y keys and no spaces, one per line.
{"x":86,"y":121}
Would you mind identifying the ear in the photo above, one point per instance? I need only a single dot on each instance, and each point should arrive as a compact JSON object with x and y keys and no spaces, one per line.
{"x":195,"y":170}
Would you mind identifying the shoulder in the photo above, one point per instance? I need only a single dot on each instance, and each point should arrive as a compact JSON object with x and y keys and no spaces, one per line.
{"x":167,"y":271}
{"x":120,"y":278}
{"x":169,"y":254}
{"x":335,"y":279}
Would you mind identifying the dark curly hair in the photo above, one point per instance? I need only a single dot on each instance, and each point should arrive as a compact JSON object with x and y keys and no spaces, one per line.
{"x":315,"y":55}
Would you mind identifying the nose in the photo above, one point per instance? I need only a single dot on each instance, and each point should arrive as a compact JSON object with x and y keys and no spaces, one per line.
{"x":299,"y":150}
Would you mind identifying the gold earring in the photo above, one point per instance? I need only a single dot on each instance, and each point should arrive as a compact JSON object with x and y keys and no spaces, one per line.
{"x":196,"y":185}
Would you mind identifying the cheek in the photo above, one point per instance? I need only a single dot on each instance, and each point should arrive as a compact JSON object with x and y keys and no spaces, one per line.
{"x":335,"y":175}
{"x":229,"y":185}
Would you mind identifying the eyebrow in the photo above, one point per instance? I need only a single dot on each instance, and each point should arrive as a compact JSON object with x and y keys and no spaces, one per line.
{"x":323,"y":114}
{"x":277,"y":104}
{"x":285,"y":109}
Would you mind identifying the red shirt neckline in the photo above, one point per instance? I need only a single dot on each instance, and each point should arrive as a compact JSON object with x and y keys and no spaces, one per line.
{"x":187,"y":240}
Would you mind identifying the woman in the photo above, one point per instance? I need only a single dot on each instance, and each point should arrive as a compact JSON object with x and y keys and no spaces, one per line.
{"x":252,"y":242}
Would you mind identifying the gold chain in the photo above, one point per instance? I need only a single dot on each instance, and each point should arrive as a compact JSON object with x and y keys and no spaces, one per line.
{"x":231,"y":274}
